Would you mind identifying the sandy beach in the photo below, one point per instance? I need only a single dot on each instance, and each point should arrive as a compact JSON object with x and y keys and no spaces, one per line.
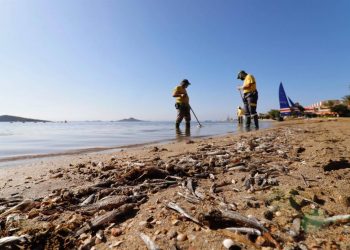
{"x":285,"y":187}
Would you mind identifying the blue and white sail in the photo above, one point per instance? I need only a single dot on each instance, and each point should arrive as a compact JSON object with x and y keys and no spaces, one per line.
{"x":291,"y":102}
{"x":285,"y":109}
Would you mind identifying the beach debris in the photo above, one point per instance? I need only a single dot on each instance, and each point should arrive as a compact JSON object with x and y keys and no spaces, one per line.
{"x":189,"y":198}
{"x":337,"y":219}
{"x":106,"y":218}
{"x":116,"y":231}
{"x":247,"y":230}
{"x":250,"y":222}
{"x":217,"y":185}
{"x":181,"y":237}
{"x":25,"y":205}
{"x":6,"y":241}
{"x":112,"y":202}
{"x":228,"y":243}
{"x":243,"y":219}
{"x":151,"y":245}
{"x":180,"y":210}
{"x":88,"y":200}
{"x":304,"y":180}
{"x":295,"y":228}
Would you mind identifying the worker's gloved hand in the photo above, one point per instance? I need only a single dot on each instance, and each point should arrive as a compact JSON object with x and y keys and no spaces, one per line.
{"x":183,"y":95}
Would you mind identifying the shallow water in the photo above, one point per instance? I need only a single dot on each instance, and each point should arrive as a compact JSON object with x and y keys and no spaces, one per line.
{"x":21,"y":139}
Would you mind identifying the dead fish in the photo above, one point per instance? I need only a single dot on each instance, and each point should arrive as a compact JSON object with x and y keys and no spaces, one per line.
{"x":247,"y":230}
{"x":12,"y":239}
{"x":23,"y":206}
{"x":88,"y":200}
{"x":151,"y":245}
{"x":106,"y":218}
{"x":113,"y":202}
{"x":177,"y":208}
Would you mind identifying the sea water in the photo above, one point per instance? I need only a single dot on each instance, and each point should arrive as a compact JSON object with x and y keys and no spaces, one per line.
{"x":27,"y":139}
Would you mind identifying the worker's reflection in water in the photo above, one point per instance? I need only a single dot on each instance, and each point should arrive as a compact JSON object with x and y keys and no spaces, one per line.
{"x":180,"y":134}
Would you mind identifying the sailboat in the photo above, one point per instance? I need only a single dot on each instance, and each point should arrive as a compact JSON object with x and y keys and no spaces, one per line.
{"x":287,"y":106}
{"x":284,"y":105}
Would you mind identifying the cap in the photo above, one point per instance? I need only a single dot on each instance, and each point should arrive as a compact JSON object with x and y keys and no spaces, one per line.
{"x":240,"y":74}
{"x":185,"y":81}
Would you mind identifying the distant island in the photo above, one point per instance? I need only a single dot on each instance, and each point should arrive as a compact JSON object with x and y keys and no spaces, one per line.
{"x":131,"y":119}
{"x":10,"y":118}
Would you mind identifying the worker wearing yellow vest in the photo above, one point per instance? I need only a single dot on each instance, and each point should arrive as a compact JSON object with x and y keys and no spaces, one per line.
{"x":182,"y":103}
{"x":240,"y":113}
{"x":250,"y":97}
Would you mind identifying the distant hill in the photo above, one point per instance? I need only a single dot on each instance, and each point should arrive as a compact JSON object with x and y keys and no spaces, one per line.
{"x":131,"y":119}
{"x":9,"y":118}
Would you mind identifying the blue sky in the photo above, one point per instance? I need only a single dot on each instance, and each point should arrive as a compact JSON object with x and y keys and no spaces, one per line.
{"x":85,"y":60}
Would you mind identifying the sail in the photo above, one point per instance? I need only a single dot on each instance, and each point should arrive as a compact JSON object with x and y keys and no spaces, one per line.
{"x":284,"y":105}
{"x":291,"y":102}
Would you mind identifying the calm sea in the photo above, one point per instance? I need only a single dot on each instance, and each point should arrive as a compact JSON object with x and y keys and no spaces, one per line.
{"x":27,"y":139}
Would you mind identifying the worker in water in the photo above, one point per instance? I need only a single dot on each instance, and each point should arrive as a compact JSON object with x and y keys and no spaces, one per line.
{"x":250,"y":98}
{"x":182,"y":103}
{"x":240,"y":113}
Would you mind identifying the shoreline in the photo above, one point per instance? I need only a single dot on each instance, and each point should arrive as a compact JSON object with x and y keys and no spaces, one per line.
{"x":77,"y":151}
{"x":102,"y":150}
{"x":304,"y":161}
{"x":38,"y":166}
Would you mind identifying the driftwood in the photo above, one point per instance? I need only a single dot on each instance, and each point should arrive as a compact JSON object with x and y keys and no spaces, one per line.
{"x":106,"y":218}
{"x":177,"y":208}
{"x":151,"y":245}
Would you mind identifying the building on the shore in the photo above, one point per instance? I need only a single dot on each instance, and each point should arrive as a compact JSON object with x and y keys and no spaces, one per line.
{"x":322,"y":108}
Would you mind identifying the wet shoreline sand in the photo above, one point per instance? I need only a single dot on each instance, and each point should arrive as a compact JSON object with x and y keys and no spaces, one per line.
{"x":283,"y":176}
